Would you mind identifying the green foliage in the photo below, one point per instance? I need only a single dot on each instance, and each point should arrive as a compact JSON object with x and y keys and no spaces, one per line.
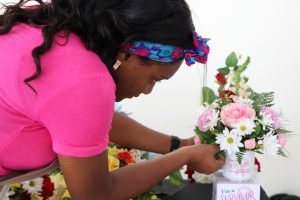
{"x":239,"y":156}
{"x":259,"y":131}
{"x":231,"y":60}
{"x":258,"y":151}
{"x":281,"y":130}
{"x":54,"y":172}
{"x":225,"y":71}
{"x":252,"y":94}
{"x":146,"y":156}
{"x":263,"y":100}
{"x":205,"y":137}
{"x":221,"y":88}
{"x":176,"y":179}
{"x":238,"y":69}
{"x":244,"y":66}
{"x":208,"y":95}
{"x":281,"y":153}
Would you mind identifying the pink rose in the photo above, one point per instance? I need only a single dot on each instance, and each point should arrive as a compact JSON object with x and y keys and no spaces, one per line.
{"x":197,"y":140}
{"x":282,"y":139}
{"x":250,"y":144}
{"x":274,"y":116}
{"x":204,"y":119}
{"x":235,"y":112}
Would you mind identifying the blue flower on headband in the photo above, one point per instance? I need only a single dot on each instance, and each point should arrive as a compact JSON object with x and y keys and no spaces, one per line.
{"x":168,"y":53}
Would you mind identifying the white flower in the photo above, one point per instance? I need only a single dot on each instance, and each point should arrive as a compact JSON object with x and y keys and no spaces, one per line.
{"x":138,"y":154}
{"x":266,"y":120}
{"x":215,"y":104}
{"x":237,"y":99}
{"x":203,"y":178}
{"x":229,"y":141}
{"x":244,"y":127}
{"x":270,"y":144}
{"x":8,"y":194}
{"x":243,"y":89}
{"x":33,"y":186}
{"x":212,"y":121}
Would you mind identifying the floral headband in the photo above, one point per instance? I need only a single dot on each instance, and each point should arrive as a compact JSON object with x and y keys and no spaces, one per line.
{"x":167,"y":53}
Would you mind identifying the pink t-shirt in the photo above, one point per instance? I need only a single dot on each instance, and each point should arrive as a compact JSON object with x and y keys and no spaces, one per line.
{"x":72,"y":113}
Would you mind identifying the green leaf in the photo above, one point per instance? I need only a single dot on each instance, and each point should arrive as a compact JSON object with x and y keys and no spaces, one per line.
{"x":205,"y":137}
{"x":244,"y":66}
{"x":239,"y":156}
{"x":176,"y":179}
{"x":221,"y":88}
{"x":252,"y":94}
{"x":208,"y":95}
{"x":283,"y":131}
{"x":177,"y":175}
{"x":224,"y":70}
{"x":263,"y":100}
{"x":280,"y":152}
{"x":231,"y":60}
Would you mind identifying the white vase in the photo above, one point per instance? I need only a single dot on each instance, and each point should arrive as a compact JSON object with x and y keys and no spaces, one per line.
{"x":242,"y":172}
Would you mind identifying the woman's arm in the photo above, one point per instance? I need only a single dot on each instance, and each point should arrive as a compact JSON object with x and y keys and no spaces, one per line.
{"x":128,"y":132}
{"x":89,"y":178}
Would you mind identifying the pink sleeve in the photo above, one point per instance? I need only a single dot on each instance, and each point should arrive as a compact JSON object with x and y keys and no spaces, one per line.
{"x":79,"y":115}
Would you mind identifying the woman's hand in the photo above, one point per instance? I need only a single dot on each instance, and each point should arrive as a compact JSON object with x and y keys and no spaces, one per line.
{"x":202,"y":158}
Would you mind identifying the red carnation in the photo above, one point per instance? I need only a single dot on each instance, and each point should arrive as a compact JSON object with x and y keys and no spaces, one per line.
{"x":189,"y":171}
{"x":256,"y":162}
{"x":225,"y":94}
{"x":48,"y":188}
{"x":221,"y":79}
{"x":125,"y":156}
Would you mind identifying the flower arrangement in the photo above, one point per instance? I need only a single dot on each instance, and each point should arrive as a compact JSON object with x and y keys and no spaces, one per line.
{"x":41,"y":188}
{"x":238,"y":118}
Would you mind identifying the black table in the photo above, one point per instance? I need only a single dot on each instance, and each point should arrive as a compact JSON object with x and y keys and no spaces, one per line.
{"x":194,"y":191}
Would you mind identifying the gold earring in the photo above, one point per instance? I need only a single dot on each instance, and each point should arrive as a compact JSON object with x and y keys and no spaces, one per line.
{"x":117,"y":65}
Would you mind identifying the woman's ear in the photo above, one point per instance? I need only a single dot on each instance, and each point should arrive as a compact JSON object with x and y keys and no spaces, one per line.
{"x":123,"y":57}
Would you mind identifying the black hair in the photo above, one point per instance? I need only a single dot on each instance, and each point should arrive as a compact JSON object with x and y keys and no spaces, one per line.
{"x":104,"y":26}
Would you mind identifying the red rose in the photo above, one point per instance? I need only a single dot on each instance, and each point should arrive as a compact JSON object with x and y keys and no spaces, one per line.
{"x":48,"y":188}
{"x":221,"y":79}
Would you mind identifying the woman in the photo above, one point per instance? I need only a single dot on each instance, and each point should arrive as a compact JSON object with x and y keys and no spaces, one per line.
{"x":64,"y":64}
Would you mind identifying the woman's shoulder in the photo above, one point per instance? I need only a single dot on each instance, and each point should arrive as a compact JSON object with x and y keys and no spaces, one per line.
{"x":66,"y":51}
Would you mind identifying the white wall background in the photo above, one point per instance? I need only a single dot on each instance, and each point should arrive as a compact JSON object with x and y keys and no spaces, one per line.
{"x":266,"y":30}
{"x":269,"y":32}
